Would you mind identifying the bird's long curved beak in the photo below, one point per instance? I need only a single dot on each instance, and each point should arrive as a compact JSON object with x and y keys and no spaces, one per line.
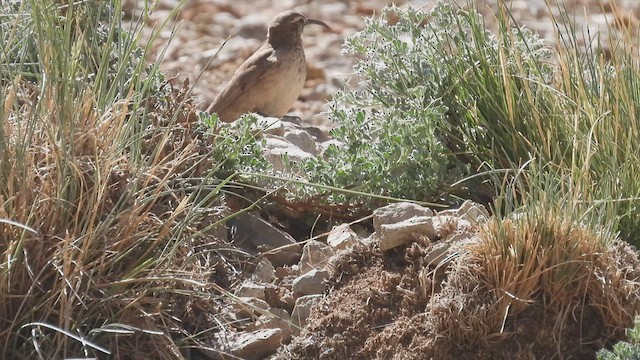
{"x":317,"y":22}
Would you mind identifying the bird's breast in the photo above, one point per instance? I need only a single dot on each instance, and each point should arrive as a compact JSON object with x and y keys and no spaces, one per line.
{"x":286,"y":83}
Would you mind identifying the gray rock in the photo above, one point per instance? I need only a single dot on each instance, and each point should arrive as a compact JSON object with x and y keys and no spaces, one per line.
{"x":323,"y":146}
{"x":469,"y":211}
{"x":312,"y":282}
{"x":443,"y":252}
{"x":250,"y":289}
{"x":394,"y":235}
{"x":252,"y":232}
{"x":264,"y":272}
{"x":276,"y":148}
{"x":342,"y":237}
{"x":397,"y":212}
{"x":302,"y":310}
{"x":302,"y":140}
{"x":277,"y":319}
{"x":315,"y":255}
{"x":253,"y":345}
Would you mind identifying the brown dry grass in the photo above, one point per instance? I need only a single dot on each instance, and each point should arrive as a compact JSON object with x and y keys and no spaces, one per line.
{"x":109,"y":204}
{"x":108,"y":258}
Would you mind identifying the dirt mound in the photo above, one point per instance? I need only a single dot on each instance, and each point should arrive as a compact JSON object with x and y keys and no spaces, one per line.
{"x":398,"y":305}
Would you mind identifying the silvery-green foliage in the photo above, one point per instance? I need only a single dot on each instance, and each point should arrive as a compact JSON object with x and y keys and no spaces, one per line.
{"x":403,"y":125}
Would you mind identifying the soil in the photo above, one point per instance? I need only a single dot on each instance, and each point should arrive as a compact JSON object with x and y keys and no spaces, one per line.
{"x":382,"y":306}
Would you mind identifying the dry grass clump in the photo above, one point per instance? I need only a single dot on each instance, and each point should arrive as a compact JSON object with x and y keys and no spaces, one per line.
{"x":110,"y":246}
{"x":109,"y":200}
{"x":538,"y":284}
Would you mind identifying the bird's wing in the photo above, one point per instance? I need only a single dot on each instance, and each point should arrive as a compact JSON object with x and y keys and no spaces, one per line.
{"x":248,"y":74}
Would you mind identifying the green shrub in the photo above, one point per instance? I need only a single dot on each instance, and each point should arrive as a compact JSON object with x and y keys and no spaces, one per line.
{"x":624,"y":350}
{"x":438,"y":97}
{"x":445,"y":107}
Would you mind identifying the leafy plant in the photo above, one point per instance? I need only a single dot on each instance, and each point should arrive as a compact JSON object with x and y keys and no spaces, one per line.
{"x":438,"y":97}
{"x":624,"y":350}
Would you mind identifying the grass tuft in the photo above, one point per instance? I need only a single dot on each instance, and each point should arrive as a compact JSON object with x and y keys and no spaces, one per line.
{"x":110,"y":192}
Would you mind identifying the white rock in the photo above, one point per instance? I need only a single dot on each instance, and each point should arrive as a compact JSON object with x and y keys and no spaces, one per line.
{"x":315,"y":255}
{"x":342,"y":237}
{"x":312,"y":282}
{"x":302,"y":310}
{"x":397,"y":212}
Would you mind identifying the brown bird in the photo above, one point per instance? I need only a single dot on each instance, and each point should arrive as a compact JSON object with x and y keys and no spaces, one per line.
{"x":270,"y":80}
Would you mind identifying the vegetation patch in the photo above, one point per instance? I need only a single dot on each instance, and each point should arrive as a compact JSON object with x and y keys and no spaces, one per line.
{"x":114,"y":193}
{"x":531,"y":287}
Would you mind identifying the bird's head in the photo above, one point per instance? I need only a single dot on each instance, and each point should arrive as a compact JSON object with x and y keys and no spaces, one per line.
{"x":287,"y":26}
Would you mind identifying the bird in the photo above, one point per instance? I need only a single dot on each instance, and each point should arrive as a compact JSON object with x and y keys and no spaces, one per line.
{"x":269,"y":81}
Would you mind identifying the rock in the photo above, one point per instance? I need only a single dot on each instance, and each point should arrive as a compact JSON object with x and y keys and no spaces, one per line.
{"x":285,"y":271}
{"x":250,"y":289}
{"x":302,"y":310}
{"x":397,"y":212}
{"x":315,"y":255}
{"x":276,"y":148}
{"x":250,"y":345}
{"x":276,"y":319}
{"x":302,"y":140}
{"x":394,"y":235}
{"x":323,"y":146}
{"x":312,"y":282}
{"x":469,"y":211}
{"x":318,"y":135}
{"x":264,"y":272}
{"x":248,"y":306}
{"x":253,"y":232}
{"x":341,"y":237}
{"x":439,"y":252}
{"x":443,"y":252}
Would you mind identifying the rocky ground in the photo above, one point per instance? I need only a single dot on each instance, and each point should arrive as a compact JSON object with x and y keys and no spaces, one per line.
{"x":386,"y":278}
{"x":196,"y":49}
